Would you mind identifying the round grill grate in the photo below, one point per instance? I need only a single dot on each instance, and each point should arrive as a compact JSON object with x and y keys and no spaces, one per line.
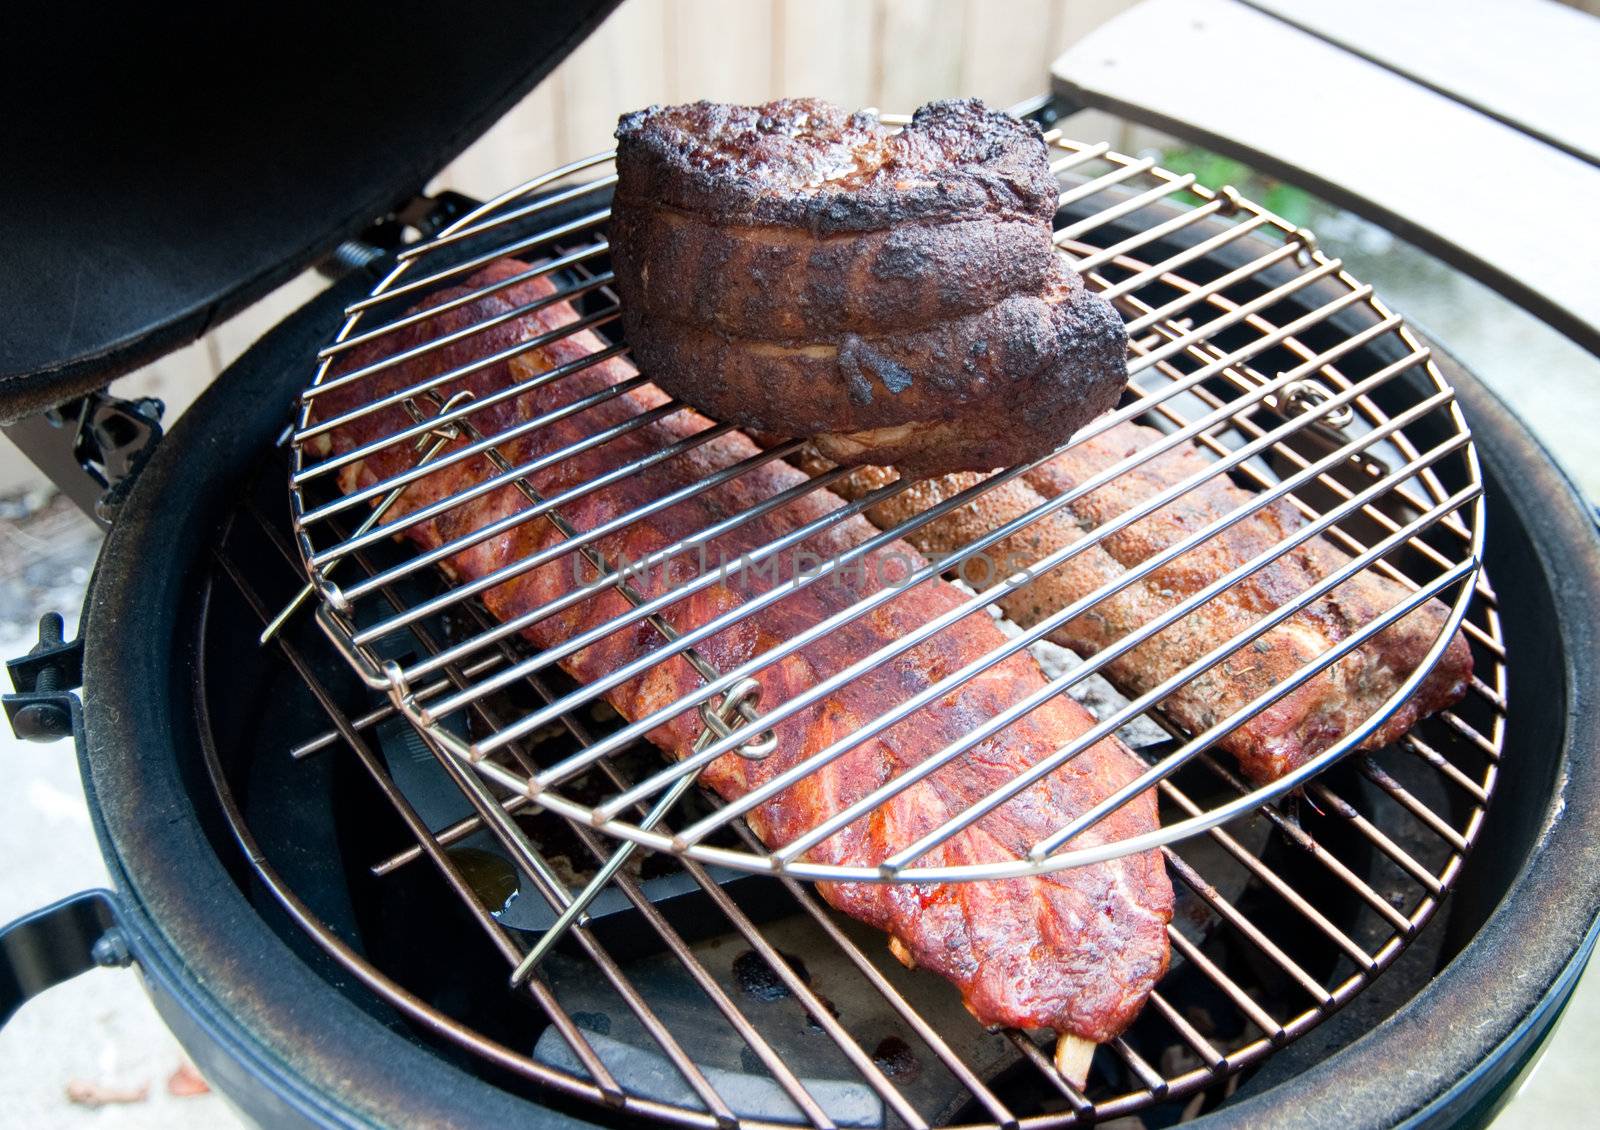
{"x":1216,"y":364}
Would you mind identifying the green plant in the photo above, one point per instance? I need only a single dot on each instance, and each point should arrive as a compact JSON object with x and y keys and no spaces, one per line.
{"x":1213,"y":170}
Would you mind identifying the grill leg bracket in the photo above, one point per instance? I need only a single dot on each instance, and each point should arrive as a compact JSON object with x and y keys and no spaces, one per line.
{"x":56,"y":943}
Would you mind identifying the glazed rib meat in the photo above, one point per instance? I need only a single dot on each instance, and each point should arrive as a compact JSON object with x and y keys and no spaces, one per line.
{"x":895,"y":295}
{"x":1296,"y":727}
{"x":1076,"y":951}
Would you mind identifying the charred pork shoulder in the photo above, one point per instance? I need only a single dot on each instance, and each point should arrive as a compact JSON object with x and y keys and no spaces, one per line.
{"x":894,"y":294}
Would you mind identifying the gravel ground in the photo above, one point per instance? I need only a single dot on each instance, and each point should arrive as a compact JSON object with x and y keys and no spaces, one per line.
{"x":98,"y":1037}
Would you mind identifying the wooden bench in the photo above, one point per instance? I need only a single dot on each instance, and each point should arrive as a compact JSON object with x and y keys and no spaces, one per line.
{"x":1470,"y":129}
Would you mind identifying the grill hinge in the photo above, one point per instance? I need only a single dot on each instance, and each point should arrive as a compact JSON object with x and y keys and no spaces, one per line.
{"x":424,"y":215}
{"x":115,"y":438}
{"x":44,"y":709}
{"x":104,"y":437}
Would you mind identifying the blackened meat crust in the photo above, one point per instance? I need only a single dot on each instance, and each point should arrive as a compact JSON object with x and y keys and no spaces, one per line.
{"x":783,"y":284}
{"x":978,"y":392}
{"x":894,"y":295}
{"x":806,"y":163}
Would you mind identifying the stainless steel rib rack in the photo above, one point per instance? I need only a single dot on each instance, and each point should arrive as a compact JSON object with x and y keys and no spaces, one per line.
{"x":1289,"y":372}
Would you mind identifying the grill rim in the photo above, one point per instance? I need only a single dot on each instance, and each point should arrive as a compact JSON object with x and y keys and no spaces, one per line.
{"x":1454,"y":1073}
{"x":189,"y":920}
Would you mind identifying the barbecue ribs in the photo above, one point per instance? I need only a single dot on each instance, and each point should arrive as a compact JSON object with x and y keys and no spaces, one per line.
{"x":1294,"y":728}
{"x":1077,"y":951}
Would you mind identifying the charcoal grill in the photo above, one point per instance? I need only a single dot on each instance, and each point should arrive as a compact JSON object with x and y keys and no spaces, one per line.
{"x":328,"y":881}
{"x":1317,"y":421}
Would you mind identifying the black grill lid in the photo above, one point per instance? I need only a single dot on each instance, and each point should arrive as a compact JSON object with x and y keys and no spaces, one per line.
{"x":163,"y":169}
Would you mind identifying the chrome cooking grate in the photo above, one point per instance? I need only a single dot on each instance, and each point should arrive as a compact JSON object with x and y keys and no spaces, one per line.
{"x":1264,"y":947}
{"x":1203,"y":349}
{"x":1204,"y":338}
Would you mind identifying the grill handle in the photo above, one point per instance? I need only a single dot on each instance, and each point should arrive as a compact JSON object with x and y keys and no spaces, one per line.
{"x":58,"y":942}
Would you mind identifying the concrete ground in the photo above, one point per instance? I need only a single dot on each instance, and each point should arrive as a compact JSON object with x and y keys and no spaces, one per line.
{"x":98,"y":1037}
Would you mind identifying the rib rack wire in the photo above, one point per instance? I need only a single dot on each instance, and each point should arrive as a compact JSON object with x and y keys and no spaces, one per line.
{"x":1331,"y":430}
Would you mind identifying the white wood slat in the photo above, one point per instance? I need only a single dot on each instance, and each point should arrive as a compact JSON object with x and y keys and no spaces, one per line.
{"x":1006,"y":51}
{"x":719,"y":50}
{"x":1511,"y":210}
{"x":1533,"y":64}
{"x":1077,"y":18}
{"x":622,"y":67}
{"x":919,"y":53}
{"x":827,"y":49}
